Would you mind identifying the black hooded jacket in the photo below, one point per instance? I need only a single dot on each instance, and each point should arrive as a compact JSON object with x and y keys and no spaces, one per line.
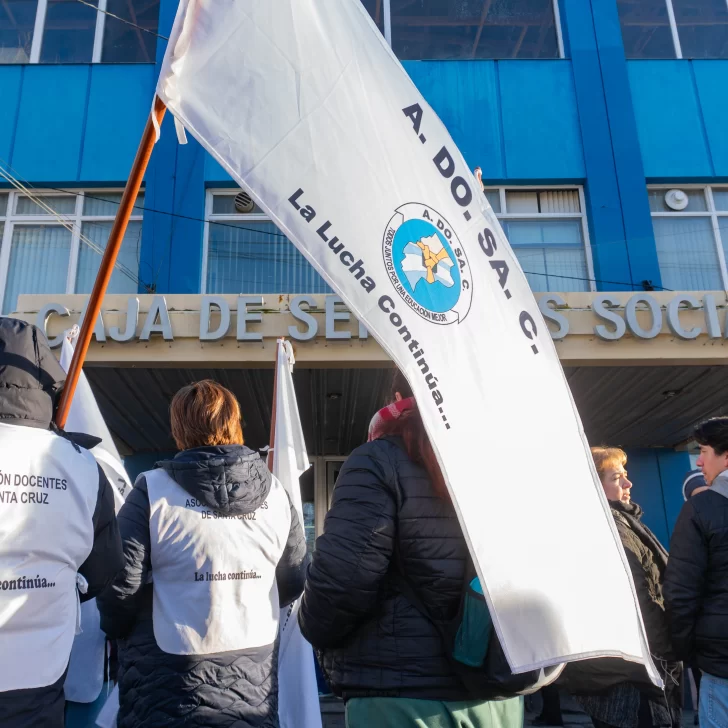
{"x":232,"y":689}
{"x":696,"y":584}
{"x":31,"y":380}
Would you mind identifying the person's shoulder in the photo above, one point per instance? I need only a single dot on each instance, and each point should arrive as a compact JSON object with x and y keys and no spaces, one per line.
{"x":620,"y":519}
{"x":278,"y":495}
{"x":379,"y":459}
{"x":706,"y":505}
{"x":141,"y":483}
{"x":387,"y":449}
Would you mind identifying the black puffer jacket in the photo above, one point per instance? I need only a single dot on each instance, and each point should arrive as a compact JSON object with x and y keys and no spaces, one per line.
{"x":696,"y":584}
{"x":370,"y":639}
{"x":30,"y":382}
{"x":232,"y":689}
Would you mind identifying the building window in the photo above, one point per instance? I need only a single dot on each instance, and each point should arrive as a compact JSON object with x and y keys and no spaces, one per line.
{"x":674,"y":28}
{"x":376,"y":10}
{"x":691,"y":234}
{"x":245,"y":253}
{"x":547,"y":230}
{"x":53,"y":243}
{"x":17,"y":20}
{"x":124,"y":43}
{"x":465,"y":29}
{"x":67,"y":31}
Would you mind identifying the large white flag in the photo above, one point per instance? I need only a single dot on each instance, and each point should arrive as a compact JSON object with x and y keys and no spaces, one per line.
{"x":85,"y":677}
{"x":305,"y":105}
{"x":298,"y":701}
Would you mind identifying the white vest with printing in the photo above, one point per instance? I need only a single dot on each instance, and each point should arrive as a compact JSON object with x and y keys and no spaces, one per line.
{"x":214,"y":575}
{"x":48,"y":493}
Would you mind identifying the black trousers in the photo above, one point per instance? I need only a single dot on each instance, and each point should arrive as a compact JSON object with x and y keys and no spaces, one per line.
{"x":551,"y":711}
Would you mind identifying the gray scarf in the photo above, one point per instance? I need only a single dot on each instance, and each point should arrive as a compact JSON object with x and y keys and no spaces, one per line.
{"x":720,"y":484}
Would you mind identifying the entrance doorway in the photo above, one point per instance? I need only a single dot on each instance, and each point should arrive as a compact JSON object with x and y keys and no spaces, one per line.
{"x":317,"y":489}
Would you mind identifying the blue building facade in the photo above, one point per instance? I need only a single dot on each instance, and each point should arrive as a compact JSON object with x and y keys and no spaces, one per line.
{"x":600,"y":126}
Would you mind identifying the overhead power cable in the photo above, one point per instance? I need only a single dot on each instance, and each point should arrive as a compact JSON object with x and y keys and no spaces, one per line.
{"x":123,"y":20}
{"x":303,"y":263}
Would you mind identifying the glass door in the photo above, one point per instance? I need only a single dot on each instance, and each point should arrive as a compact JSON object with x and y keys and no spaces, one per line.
{"x":326,"y":471}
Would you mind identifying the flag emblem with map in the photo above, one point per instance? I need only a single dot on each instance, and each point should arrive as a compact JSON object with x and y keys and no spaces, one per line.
{"x":427,"y":264}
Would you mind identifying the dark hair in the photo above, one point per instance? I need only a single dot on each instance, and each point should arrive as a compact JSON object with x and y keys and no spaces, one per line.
{"x":713,"y":433}
{"x":411,"y":429}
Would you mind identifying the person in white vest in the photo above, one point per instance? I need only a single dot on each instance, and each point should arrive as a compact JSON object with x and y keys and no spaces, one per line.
{"x":59,"y":539}
{"x":213,"y":549}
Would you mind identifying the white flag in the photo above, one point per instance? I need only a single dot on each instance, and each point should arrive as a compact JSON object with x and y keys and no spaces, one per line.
{"x":298,"y":701}
{"x":85,"y":416}
{"x":306,"y":106}
{"x":85,"y":677}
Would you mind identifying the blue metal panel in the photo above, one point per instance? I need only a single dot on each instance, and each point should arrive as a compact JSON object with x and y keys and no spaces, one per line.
{"x":185,"y":266}
{"x":140,"y":462}
{"x":51,"y":123}
{"x":711,"y":79}
{"x":673,"y":468}
{"x":489,"y":108}
{"x":604,"y":206}
{"x":644,"y":473}
{"x":215,"y":174}
{"x":657,"y":476}
{"x":641,"y":247}
{"x":158,"y":228}
{"x":11,"y":78}
{"x":669,"y":120}
{"x":171,"y":259}
{"x":465,"y":95}
{"x":119,"y":103}
{"x":171,"y":256}
{"x":540,"y":121}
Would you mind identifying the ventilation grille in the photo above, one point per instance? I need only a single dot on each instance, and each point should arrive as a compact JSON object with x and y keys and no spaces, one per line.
{"x":244,"y":202}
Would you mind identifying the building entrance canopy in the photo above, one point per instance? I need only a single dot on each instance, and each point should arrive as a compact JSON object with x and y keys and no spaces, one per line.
{"x":644,"y":368}
{"x":625,"y":405}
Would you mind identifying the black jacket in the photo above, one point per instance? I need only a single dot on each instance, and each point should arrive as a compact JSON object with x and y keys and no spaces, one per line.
{"x":30,"y":382}
{"x":696,"y":584}
{"x":370,"y":639}
{"x":232,"y":689}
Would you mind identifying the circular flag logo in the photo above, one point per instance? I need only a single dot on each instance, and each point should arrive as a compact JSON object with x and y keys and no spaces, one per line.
{"x":427,"y":265}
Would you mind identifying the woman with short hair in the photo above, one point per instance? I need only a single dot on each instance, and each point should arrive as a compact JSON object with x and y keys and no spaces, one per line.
{"x":627,"y":699}
{"x":213,"y":547}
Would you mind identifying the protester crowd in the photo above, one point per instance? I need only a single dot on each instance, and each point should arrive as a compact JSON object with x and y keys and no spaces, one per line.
{"x":208,"y":546}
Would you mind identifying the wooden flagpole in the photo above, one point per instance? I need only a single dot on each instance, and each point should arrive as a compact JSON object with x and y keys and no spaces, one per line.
{"x":134,"y":183}
{"x":274,"y":412}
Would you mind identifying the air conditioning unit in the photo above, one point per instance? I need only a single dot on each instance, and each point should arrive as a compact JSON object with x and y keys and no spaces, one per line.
{"x":244,"y":202}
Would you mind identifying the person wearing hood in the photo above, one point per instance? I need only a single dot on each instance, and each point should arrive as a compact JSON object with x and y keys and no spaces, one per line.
{"x":213,"y":547}
{"x":59,"y":539}
{"x":694,"y":484}
{"x":696,"y":583}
